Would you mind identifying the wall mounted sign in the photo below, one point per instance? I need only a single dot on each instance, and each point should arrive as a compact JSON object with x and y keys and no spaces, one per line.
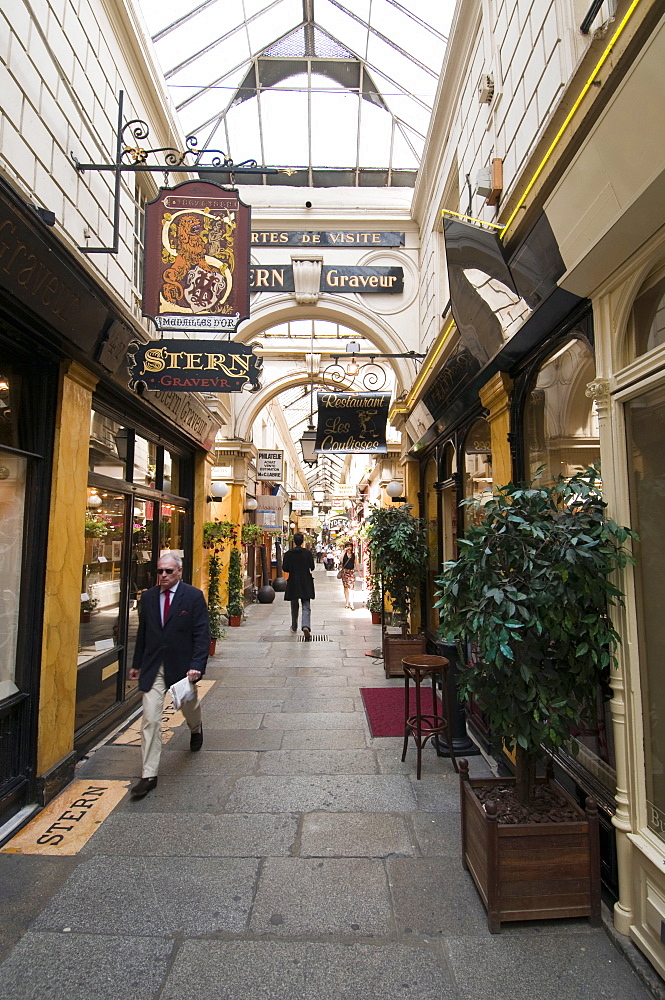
{"x":455,"y":374}
{"x":365,"y":280}
{"x":327,"y":238}
{"x":269,"y":466}
{"x":352,"y":422}
{"x":194,"y":366}
{"x":196,"y":258}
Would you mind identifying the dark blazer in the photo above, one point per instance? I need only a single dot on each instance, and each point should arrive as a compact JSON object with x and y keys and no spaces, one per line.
{"x":298,"y":562}
{"x":182,"y":644}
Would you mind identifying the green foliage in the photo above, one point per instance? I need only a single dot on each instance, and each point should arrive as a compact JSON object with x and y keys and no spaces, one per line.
{"x":399,"y":553}
{"x":235,"y":604}
{"x":215,"y":533}
{"x":531,"y":590}
{"x":96,"y":525}
{"x":214,"y":600}
{"x":251,"y":534}
{"x":374,"y":603}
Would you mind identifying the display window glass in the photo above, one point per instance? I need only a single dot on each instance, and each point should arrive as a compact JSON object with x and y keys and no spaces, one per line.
{"x":108,"y":446}
{"x":171,"y":481}
{"x":13,"y":475}
{"x":645,"y":427}
{"x":478,"y":481}
{"x":101,"y":581}
{"x":432,"y":530}
{"x":145,"y":462}
{"x":172,"y":530}
{"x":560,"y":420}
{"x":647,"y":325}
{"x":561,"y":438}
{"x":8,"y":389}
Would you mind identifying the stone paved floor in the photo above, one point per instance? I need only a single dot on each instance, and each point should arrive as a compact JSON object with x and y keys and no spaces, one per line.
{"x":294,"y":857}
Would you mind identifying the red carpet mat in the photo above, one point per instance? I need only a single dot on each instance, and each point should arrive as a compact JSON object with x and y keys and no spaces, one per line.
{"x":385,"y":708}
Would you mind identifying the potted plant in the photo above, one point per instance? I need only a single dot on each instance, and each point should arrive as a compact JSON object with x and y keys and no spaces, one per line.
{"x":214,"y":601}
{"x":531,"y":591}
{"x":374,"y":602}
{"x":399,"y":555}
{"x":235,"y":604}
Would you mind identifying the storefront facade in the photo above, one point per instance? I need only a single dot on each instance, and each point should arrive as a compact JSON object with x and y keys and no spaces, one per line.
{"x":95,"y":482}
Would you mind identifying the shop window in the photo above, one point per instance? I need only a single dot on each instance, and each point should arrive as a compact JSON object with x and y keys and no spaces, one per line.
{"x":142,"y":568}
{"x":171,"y":530}
{"x":477,"y":467}
{"x":648,"y":317}
{"x":171,"y":483}
{"x":645,"y":426}
{"x":108,"y":446}
{"x":13,"y":472}
{"x":101,"y":590}
{"x":101,"y":583}
{"x":449,"y":504}
{"x":432,"y":529}
{"x":7,"y":423}
{"x":145,"y":462}
{"x":560,"y":420}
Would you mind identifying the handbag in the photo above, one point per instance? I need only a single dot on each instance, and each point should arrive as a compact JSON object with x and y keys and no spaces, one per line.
{"x":339,"y":574}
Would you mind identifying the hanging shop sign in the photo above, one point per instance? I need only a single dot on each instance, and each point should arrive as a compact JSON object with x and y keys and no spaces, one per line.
{"x":194,"y":366}
{"x":339,"y":523}
{"x":196,"y":258}
{"x":302,"y":505}
{"x":327,"y":238}
{"x":270,"y":513}
{"x":363,"y":280}
{"x":269,"y":466}
{"x":352,"y":422}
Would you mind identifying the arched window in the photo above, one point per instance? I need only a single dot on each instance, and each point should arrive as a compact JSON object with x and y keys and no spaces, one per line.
{"x":560,"y":420}
{"x":647,"y":322}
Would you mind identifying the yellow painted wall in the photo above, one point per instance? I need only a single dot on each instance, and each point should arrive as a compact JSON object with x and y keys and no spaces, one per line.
{"x":65,"y":553}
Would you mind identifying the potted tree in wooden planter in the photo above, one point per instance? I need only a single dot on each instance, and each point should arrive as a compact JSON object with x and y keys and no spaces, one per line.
{"x":235,"y":604}
{"x":531,"y":591}
{"x":399,"y":556}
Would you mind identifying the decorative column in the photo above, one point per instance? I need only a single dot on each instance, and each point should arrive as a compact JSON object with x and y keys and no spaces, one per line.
{"x":64,"y":560}
{"x":599,"y":392}
{"x":495,"y":397}
{"x":307,"y":279}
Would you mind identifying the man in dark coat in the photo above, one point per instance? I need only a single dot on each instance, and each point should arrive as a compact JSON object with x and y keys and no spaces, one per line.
{"x":172,"y":642}
{"x":298,"y":564}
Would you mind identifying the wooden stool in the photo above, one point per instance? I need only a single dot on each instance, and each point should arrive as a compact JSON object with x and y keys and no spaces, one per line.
{"x":425,"y":727}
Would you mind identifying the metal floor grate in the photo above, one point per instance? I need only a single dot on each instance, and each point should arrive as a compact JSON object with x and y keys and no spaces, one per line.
{"x":315,"y":638}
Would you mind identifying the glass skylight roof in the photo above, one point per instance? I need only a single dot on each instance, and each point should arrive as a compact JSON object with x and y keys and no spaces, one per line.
{"x":340,"y":93}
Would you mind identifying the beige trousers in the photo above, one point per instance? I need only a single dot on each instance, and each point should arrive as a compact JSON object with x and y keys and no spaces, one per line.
{"x":151,"y":725}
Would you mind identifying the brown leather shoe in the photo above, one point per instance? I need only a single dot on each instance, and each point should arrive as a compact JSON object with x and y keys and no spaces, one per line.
{"x":196,"y":740}
{"x":142,"y":787}
{"x":307,"y":633}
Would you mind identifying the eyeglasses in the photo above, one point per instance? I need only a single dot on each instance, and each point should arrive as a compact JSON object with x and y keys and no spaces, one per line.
{"x":167,"y":571}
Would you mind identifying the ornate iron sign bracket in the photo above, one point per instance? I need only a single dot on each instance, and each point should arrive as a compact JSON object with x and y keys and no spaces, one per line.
{"x":132,"y":157}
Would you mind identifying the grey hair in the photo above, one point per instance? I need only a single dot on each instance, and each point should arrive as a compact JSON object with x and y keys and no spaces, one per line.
{"x":173,"y":555}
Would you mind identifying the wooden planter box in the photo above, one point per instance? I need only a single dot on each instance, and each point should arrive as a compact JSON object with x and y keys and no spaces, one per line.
{"x":530,"y":871}
{"x":396,"y":647}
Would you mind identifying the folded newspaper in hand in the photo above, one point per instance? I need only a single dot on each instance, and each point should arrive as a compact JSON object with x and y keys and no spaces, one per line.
{"x":182,"y":691}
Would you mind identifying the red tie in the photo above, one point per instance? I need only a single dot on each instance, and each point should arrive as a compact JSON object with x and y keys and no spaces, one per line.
{"x":167,"y":605}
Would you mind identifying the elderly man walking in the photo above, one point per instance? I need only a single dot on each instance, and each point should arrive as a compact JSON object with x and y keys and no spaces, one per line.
{"x":298,"y":564}
{"x":172,"y":642}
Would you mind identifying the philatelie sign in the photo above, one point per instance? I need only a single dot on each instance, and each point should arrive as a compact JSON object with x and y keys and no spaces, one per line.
{"x":269,"y":466}
{"x":194,"y":366}
{"x":352,"y":422}
{"x":196,"y":274}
